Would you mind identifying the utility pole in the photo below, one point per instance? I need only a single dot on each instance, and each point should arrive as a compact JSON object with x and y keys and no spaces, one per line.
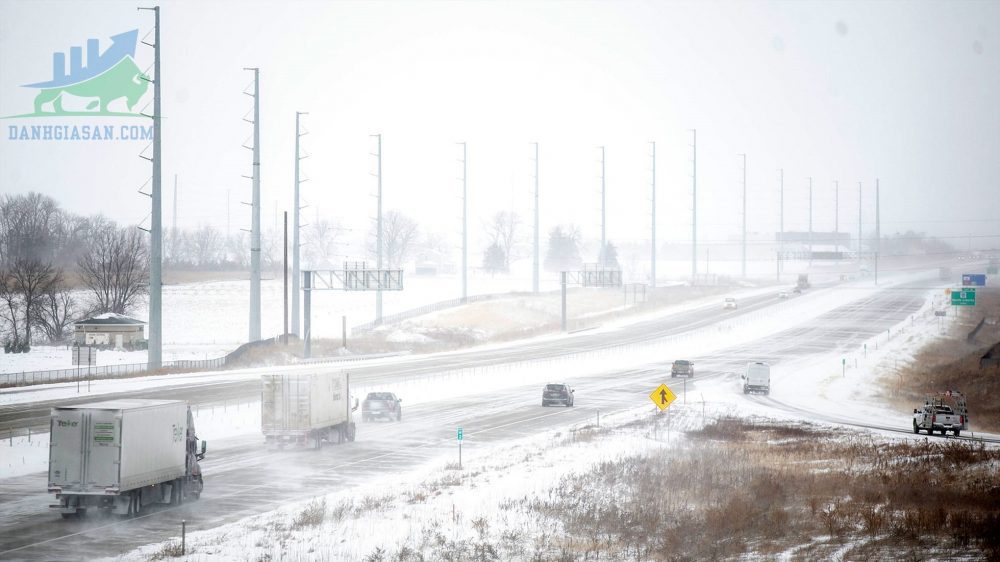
{"x":878,"y":230}
{"x":155,"y":343}
{"x":378,"y":227}
{"x":296,"y":226}
{"x":255,"y":215}
{"x":836,"y":209}
{"x":860,"y":209}
{"x":781,"y":216}
{"x":744,"y":215}
{"x":604,"y":240}
{"x":465,"y":226}
{"x":810,"y":220}
{"x":284,"y":271}
{"x":694,"y":205}
{"x":652,"y":251}
{"x":175,"y":204}
{"x":535,"y":263}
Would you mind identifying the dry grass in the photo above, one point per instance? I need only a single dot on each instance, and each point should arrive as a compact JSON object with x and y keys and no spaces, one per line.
{"x":952,"y":363}
{"x":765,"y":488}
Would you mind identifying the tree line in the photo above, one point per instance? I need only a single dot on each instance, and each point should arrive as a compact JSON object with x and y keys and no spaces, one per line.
{"x":47,"y":252}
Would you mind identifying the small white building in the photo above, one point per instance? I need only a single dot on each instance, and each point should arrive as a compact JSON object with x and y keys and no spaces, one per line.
{"x":111,"y":330}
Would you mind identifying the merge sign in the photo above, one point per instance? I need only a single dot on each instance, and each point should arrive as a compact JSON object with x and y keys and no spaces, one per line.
{"x":662,"y":397}
{"x":973,"y":280}
{"x":963,"y":297}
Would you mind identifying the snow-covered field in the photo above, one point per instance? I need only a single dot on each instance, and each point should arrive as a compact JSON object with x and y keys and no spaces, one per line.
{"x":208,"y":320}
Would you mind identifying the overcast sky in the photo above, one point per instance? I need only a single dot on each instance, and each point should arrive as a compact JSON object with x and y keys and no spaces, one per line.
{"x":838,"y":91}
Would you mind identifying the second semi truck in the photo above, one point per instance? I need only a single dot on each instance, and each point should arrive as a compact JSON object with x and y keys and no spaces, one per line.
{"x":307,"y":409}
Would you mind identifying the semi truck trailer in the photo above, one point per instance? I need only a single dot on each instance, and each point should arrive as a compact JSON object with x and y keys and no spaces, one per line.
{"x":122,"y":455}
{"x":306,"y":410}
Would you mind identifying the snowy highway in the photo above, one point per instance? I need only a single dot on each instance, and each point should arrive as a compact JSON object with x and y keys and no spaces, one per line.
{"x":243,"y":478}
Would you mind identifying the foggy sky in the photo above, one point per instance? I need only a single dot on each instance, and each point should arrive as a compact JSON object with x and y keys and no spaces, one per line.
{"x":849,"y":91}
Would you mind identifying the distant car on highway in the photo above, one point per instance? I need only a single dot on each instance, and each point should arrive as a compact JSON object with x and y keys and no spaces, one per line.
{"x":682,"y":368}
{"x":783,"y":294}
{"x":381,"y":405}
{"x":730,"y":302}
{"x":557,"y":394}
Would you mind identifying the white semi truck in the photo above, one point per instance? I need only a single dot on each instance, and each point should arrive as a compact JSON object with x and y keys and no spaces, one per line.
{"x":122,"y":455}
{"x":307,"y":409}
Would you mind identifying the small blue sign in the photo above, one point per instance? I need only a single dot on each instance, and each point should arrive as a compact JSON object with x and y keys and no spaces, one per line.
{"x":973,"y":280}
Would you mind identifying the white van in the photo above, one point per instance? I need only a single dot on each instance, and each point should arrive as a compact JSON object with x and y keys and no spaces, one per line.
{"x":757,"y":378}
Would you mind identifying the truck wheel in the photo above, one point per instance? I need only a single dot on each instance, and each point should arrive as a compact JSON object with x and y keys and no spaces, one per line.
{"x":958,"y":432}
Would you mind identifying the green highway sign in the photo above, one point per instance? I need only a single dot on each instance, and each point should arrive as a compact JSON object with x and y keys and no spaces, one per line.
{"x":963,"y":297}
{"x":460,"y":434}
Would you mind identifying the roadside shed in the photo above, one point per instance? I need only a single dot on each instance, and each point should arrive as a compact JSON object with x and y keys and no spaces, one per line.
{"x":110,"y":330}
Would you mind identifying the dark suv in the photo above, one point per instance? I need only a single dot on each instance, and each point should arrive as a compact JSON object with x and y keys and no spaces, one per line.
{"x":557,"y":394}
{"x":682,"y":368}
{"x":381,"y":405}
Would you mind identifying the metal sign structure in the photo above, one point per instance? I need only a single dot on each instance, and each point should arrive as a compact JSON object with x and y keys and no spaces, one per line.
{"x":592,"y":275}
{"x":355,"y":276}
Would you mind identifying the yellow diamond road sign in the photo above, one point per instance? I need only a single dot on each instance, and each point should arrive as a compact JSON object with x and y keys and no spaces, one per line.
{"x":662,"y":397}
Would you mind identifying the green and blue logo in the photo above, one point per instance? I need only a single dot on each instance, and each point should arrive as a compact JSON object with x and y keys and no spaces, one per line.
{"x":106,"y":84}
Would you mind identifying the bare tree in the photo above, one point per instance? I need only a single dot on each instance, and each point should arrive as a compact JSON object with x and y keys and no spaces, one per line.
{"x":503,"y":232}
{"x":322,"y":238}
{"x":28,"y":227}
{"x":10,"y":306}
{"x":31,"y":279}
{"x":207,"y":245}
{"x":55,"y":310}
{"x":116,"y":269}
{"x":399,"y":232}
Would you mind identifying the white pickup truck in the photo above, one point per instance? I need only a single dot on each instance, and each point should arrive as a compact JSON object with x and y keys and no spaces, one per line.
{"x":935,"y":415}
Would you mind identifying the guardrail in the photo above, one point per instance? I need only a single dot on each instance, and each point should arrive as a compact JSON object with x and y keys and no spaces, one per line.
{"x":26,"y":378}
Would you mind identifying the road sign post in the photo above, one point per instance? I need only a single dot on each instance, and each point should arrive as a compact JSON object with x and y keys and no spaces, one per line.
{"x":662,"y":397}
{"x":460,"y":448}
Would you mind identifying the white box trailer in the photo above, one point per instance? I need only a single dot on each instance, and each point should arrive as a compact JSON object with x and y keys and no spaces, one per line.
{"x":120,"y":455}
{"x":307,"y":409}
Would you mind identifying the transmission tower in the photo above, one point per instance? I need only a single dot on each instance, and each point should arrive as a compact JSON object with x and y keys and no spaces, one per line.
{"x":296,"y":222}
{"x":155,"y":343}
{"x":744,"y":269}
{"x":378,"y":227}
{"x":604,"y":240}
{"x":694,"y":205}
{"x":465,"y":224}
{"x":255,"y":214}
{"x":535,"y":262}
{"x":652,"y":251}
{"x":810,"y":219}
